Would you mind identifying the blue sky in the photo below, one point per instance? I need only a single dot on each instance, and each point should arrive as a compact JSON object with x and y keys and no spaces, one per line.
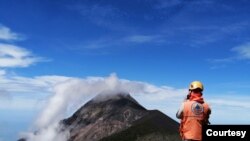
{"x":157,"y":42}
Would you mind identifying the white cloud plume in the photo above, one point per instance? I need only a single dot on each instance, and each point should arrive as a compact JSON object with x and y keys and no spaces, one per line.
{"x":51,"y":133}
{"x":15,"y":56}
{"x":73,"y":89}
{"x":7,"y":35}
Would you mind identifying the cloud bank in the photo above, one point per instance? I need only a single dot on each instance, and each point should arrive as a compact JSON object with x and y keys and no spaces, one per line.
{"x":68,"y":94}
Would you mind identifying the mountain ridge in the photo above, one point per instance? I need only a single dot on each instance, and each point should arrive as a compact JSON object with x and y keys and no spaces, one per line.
{"x":106,"y":117}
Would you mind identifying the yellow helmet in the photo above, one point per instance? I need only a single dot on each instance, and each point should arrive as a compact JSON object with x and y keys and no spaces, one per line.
{"x":196,"y":85}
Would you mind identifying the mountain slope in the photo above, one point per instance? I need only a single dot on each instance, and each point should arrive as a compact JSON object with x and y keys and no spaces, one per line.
{"x":155,"y":126}
{"x":118,"y":117}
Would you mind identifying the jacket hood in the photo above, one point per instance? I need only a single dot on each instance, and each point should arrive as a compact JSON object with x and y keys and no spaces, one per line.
{"x":196,"y":97}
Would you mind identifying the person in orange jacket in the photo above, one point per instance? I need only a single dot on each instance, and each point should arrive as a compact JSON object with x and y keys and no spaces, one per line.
{"x":194,"y":113}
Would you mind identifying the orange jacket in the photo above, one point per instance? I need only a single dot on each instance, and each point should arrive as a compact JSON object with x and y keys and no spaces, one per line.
{"x":194,"y":115}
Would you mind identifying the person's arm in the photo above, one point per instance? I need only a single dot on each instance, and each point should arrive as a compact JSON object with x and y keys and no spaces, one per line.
{"x":208,"y":115}
{"x":209,"y":111}
{"x":179,"y":113}
{"x":206,"y":118}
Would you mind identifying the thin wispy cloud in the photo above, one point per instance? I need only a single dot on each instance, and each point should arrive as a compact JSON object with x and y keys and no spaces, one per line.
{"x":222,"y":60}
{"x":14,"y":56}
{"x":99,"y":13}
{"x":171,"y":3}
{"x":224,"y":105}
{"x":207,"y":34}
{"x":8,"y":35}
{"x":243,"y":51}
{"x":107,"y":16}
{"x":161,"y":4}
{"x":100,"y":43}
{"x":232,"y":103}
{"x":235,"y":84}
{"x":111,"y":16}
{"x":107,"y":43}
{"x":220,"y":63}
{"x":143,"y":38}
